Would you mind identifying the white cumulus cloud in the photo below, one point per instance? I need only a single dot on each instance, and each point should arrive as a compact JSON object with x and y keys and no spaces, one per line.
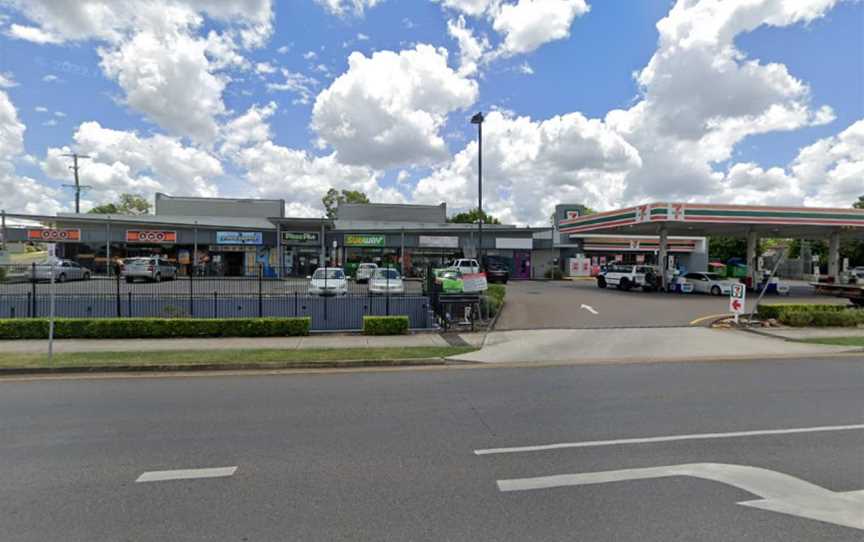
{"x":388,"y":109}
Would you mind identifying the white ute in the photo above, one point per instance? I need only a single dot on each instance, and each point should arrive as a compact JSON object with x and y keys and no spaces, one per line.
{"x":625,"y":277}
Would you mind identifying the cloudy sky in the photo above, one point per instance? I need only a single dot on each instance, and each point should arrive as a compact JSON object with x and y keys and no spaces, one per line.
{"x":606,"y":103}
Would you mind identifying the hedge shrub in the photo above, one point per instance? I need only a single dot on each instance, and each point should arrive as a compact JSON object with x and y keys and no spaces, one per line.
{"x":776,"y":310}
{"x":823,"y":318}
{"x":554,"y":273}
{"x":152,"y":328}
{"x":494,"y":298}
{"x":385,"y":325}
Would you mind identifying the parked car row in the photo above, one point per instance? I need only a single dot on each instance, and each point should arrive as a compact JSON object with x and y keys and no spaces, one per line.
{"x":647,"y":278}
{"x":63,"y":270}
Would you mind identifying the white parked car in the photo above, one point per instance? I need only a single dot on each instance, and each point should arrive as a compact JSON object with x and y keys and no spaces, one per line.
{"x":328,"y":281}
{"x":386,"y":281}
{"x":365,"y":271}
{"x":625,"y":277}
{"x":149,"y":269}
{"x":63,"y":270}
{"x":710,"y":283}
{"x":466,"y":266}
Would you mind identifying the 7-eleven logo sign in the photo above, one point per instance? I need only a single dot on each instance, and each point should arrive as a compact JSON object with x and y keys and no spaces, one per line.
{"x":737,"y":299}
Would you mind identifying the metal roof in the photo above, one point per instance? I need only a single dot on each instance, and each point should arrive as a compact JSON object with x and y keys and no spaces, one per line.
{"x":190,"y":221}
{"x":695,"y":219}
{"x":376,"y":226}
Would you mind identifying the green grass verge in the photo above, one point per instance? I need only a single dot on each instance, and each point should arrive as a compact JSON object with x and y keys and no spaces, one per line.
{"x":840,"y":341}
{"x":264,"y":357}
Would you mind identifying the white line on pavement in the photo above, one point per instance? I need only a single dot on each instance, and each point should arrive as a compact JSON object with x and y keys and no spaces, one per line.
{"x":672,"y":438}
{"x":589,"y":308}
{"x":185,"y":474}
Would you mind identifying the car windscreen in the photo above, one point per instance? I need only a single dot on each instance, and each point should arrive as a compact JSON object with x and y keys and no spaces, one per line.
{"x":387,"y":274}
{"x":331,"y":274}
{"x":713,"y":276}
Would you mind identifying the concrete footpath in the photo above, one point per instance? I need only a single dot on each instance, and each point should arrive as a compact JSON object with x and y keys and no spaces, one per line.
{"x":241,"y":343}
{"x":635,"y":344}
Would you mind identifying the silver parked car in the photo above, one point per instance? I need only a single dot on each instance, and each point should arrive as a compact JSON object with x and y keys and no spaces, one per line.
{"x":63,"y":270}
{"x":152,"y":269}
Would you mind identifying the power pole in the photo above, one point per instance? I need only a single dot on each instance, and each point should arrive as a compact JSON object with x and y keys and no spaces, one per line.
{"x":77,"y":186}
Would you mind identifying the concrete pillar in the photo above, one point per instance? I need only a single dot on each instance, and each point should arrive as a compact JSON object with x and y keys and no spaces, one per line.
{"x":834,"y":256}
{"x":752,"y":243}
{"x":664,"y":257}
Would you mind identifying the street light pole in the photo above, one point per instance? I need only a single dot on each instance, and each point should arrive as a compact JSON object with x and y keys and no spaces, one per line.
{"x":478,"y":120}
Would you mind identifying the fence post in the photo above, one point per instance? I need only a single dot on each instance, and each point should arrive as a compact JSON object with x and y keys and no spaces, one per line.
{"x":192,"y":291}
{"x":215,"y":304}
{"x":129,"y":298}
{"x":260,"y":285}
{"x":296,"y":304}
{"x":117,"y":280}
{"x":387,"y":301}
{"x":29,"y":304}
{"x":33,"y":288}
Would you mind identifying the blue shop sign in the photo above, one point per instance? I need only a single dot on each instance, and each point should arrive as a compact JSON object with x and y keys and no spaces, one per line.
{"x":239,"y":238}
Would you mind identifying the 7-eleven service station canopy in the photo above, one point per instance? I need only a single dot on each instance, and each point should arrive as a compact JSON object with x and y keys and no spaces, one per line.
{"x":708,"y":219}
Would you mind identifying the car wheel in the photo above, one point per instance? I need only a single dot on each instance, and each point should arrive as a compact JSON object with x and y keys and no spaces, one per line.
{"x":601,"y":282}
{"x":128,"y":280}
{"x":715,"y":290}
{"x":61,"y":277}
{"x":625,"y":284}
{"x":157,"y":277}
{"x":86,"y":276}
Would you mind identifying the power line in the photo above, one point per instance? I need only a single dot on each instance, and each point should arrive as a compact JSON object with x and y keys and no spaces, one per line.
{"x":77,"y":186}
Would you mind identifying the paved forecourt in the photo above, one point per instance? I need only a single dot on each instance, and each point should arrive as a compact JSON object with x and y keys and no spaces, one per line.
{"x":581,"y":304}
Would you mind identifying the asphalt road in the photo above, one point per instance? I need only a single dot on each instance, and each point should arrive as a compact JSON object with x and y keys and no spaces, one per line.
{"x":390,"y":455}
{"x":558,"y":305}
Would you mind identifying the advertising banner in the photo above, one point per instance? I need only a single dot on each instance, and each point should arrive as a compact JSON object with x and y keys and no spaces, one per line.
{"x":474,"y":283}
{"x":363,"y":240}
{"x":151,"y":236}
{"x":291,"y":237}
{"x":239,"y":238}
{"x":54,"y":236}
{"x":438,"y":241}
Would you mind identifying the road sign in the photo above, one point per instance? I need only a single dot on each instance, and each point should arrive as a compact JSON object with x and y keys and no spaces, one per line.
{"x":737,"y":300}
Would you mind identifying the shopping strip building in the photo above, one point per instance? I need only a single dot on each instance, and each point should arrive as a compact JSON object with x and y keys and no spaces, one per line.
{"x":242,"y":236}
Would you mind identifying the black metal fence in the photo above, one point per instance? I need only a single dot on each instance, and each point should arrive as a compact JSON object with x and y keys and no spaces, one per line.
{"x":25,"y":292}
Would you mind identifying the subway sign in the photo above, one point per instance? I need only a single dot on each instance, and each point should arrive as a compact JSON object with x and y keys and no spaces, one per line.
{"x":54,"y":236}
{"x":151,"y":236}
{"x":364,"y":240}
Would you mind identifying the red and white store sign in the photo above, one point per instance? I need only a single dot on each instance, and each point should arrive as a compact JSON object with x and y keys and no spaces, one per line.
{"x":54,"y":236}
{"x":151,"y":236}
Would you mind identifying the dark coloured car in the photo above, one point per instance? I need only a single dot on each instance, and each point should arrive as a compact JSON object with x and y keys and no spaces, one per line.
{"x":498,"y":274}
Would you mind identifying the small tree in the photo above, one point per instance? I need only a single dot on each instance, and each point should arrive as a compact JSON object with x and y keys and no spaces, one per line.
{"x":333,"y":198}
{"x":129,"y":204}
{"x":472,"y":216}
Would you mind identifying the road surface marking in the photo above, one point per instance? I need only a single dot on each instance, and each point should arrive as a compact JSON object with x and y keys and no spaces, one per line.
{"x":672,"y":438}
{"x":185,"y":474}
{"x":780,"y":492}
{"x":589,"y":308}
{"x":703,"y":318}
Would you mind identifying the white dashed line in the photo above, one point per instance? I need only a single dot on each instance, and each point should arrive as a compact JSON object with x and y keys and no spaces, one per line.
{"x":185,"y":474}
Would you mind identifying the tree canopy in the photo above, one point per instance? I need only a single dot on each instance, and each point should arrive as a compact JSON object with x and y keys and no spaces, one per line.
{"x":472,"y":216}
{"x":128,"y":204}
{"x":333,"y":198}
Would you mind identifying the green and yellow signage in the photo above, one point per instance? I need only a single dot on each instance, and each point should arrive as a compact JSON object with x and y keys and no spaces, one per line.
{"x":364,"y":240}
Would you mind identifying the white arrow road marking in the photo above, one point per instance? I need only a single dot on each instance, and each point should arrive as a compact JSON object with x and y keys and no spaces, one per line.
{"x":588,"y":308}
{"x":672,"y":438}
{"x":780,"y":492}
{"x":185,"y":474}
